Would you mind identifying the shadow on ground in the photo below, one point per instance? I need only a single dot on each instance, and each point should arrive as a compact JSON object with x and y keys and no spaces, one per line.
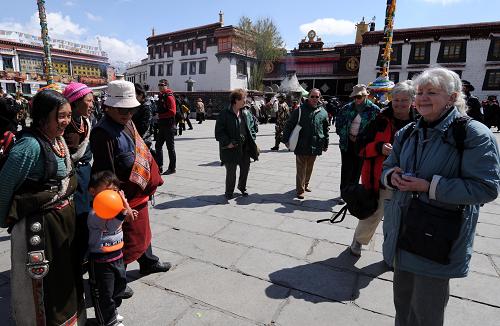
{"x":334,"y":279}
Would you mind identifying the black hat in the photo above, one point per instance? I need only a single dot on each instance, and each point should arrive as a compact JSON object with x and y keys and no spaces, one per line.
{"x":467,"y":84}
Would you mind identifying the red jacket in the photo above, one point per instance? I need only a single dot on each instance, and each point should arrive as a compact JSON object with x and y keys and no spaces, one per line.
{"x":166,"y":104}
{"x":380,"y":131}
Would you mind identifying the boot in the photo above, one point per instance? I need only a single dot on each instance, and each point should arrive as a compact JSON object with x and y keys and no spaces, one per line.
{"x":276,"y":146}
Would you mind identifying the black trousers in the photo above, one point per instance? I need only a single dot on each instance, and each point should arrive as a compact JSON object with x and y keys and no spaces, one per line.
{"x":148,"y":258}
{"x":166,"y":133}
{"x":188,"y":122}
{"x":351,"y":166}
{"x":244,"y":164}
{"x":107,"y":284}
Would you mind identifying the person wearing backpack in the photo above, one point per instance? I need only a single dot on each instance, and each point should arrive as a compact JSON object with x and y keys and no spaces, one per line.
{"x":375,"y":147}
{"x":36,"y":204}
{"x":166,"y":110}
{"x":442,"y":169}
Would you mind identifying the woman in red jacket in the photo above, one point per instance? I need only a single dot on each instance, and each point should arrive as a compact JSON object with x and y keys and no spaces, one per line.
{"x":378,"y":145}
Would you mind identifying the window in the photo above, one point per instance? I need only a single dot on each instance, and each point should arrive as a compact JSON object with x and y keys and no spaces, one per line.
{"x":169,"y":51}
{"x":494,"y":52}
{"x":202,"y":68}
{"x":412,"y":74}
{"x":492,"y":80}
{"x":193,"y":47}
{"x":225,"y":44}
{"x":192,"y":68}
{"x":152,"y":70}
{"x":241,"y":67}
{"x":7,"y":63}
{"x":169,"y":69}
{"x":420,"y":52}
{"x":160,"y":70}
{"x":10,"y":87}
{"x":203,"y":46}
{"x":184,"y":49}
{"x":159,"y":50}
{"x":395,"y":55}
{"x":459,"y":73}
{"x":452,"y":51}
{"x":184,"y":68}
{"x":394,"y":76}
{"x":26,"y":89}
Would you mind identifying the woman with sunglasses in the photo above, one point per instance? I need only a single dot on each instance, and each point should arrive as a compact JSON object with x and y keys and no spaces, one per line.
{"x":351,"y":122}
{"x":118,"y":147}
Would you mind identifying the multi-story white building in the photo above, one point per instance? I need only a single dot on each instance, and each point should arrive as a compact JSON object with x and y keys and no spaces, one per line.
{"x":471,"y":50}
{"x":209,"y":58}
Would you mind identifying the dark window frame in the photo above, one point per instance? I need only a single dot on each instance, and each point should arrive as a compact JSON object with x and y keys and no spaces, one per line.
{"x":486,"y":85}
{"x":10,"y":87}
{"x":427,"y":53}
{"x":192,"y":68}
{"x":11,"y":59}
{"x":461,"y":57}
{"x":241,"y":68}
{"x":494,"y":50}
{"x":203,"y":46}
{"x":202,"y":67}
{"x":193,"y":48}
{"x":161,"y":70}
{"x":26,"y":88}
{"x":152,"y":70}
{"x":170,"y":68}
{"x":184,"y":68}
{"x":411,"y":74}
{"x":184,"y":50}
{"x":397,"y":51}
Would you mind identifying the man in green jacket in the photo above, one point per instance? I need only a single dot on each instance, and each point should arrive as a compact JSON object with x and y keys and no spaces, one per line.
{"x":313,"y":138}
{"x":235,"y":131}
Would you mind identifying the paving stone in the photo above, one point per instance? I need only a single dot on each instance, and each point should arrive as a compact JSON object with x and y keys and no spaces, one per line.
{"x":477,"y":287}
{"x":464,"y":313}
{"x":5,"y":265}
{"x":489,"y":218}
{"x":200,"y":315}
{"x":193,"y":222}
{"x":151,"y":306}
{"x":215,"y":286}
{"x":164,"y":256}
{"x":375,"y":295}
{"x":482,"y":264}
{"x":241,"y":213}
{"x":282,"y":242}
{"x":338,"y":256}
{"x":488,"y":230}
{"x":200,"y":246}
{"x":313,"y":278}
{"x":324,"y":230}
{"x":487,"y":245}
{"x":304,"y":309}
{"x":4,"y":242}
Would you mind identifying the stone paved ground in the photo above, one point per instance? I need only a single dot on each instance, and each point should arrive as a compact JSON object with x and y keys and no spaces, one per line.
{"x":263,"y":260}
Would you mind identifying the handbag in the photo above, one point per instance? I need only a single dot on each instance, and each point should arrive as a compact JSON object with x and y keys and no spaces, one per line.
{"x":427,"y":230}
{"x":294,"y":136}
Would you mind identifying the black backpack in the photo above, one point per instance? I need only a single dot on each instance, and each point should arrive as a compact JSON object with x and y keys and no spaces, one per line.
{"x":162,"y":104}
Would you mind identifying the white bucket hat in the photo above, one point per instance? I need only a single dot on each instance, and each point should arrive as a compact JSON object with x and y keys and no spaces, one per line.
{"x":121,"y":94}
{"x":359,"y":89}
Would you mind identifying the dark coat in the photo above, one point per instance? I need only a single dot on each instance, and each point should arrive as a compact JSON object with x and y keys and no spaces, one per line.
{"x":142,"y":120}
{"x":313,"y":137}
{"x":227,"y":131}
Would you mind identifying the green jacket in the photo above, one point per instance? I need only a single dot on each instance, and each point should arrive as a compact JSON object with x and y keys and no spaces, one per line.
{"x":313,"y":137}
{"x":227,"y":131}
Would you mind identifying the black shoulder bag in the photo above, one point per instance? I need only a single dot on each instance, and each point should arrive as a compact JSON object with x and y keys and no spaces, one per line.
{"x":429,"y":231}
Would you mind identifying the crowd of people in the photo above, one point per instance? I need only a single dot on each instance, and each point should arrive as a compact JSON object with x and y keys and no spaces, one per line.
{"x":428,"y":158}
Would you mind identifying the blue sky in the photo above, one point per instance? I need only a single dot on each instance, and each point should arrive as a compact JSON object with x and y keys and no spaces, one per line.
{"x":123,"y":25}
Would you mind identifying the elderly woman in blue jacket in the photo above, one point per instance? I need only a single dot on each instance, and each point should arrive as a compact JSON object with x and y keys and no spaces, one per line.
{"x":436,"y":180}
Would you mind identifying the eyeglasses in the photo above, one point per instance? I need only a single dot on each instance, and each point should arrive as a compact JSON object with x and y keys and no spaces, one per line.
{"x":313,"y":96}
{"x":125,"y":111}
{"x":358,"y":97}
{"x":161,"y":85}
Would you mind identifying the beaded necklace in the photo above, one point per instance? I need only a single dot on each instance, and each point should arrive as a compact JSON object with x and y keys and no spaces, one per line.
{"x":79,"y":129}
{"x":57,"y":145}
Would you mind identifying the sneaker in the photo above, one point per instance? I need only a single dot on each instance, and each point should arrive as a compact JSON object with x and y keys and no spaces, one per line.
{"x":157,"y":267}
{"x":244,"y":192}
{"x":169,"y":171}
{"x":300,"y":196}
{"x":119,"y":318}
{"x":308,"y":189}
{"x":160,"y":168}
{"x":339,"y":201}
{"x":275,"y":148}
{"x":355,"y":248}
{"x":228,"y":196}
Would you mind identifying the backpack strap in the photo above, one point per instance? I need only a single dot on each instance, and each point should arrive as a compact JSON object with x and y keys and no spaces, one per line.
{"x":407,"y":133}
{"x":459,"y":132}
{"x":335,"y":216}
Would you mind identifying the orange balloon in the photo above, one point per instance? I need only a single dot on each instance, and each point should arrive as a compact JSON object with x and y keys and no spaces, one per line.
{"x":107,"y":204}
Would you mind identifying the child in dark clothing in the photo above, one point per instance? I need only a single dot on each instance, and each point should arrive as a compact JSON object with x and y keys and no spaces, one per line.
{"x":107,"y":276}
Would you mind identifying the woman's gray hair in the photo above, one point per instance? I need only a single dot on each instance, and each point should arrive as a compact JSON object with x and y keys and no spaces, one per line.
{"x":445,"y":79}
{"x":404,"y":87}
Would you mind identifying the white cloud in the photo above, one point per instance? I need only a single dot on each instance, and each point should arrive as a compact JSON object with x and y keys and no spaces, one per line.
{"x":93,"y":17}
{"x":330,"y":26}
{"x":69,"y":3}
{"x":443,"y":2}
{"x":119,"y":50}
{"x":62,"y":27}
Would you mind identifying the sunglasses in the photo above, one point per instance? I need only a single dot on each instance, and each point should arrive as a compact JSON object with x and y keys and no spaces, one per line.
{"x":313,"y":96}
{"x":125,"y":111}
{"x":358,"y":97}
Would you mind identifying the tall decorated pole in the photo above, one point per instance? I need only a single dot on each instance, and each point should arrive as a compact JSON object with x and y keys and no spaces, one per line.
{"x":49,"y":74}
{"x":382,"y":84}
